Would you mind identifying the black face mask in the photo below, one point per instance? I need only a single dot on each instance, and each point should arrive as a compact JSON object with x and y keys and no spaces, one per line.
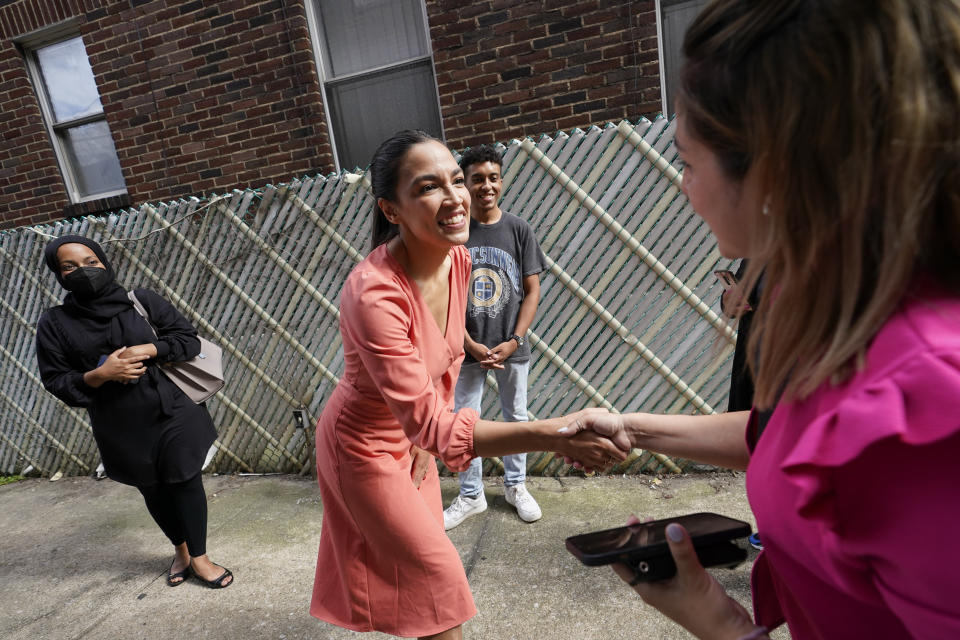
{"x":87,"y":282}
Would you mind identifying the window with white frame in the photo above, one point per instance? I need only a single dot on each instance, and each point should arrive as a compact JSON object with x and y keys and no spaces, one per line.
{"x":673,"y":18}
{"x":376,"y":65}
{"x":74,"y":117}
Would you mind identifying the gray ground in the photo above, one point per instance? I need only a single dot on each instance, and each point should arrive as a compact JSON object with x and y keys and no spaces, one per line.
{"x":83,"y":559}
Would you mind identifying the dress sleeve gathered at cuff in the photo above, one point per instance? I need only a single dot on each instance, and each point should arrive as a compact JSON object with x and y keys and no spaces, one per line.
{"x":457,"y":451}
{"x":375,"y":316}
{"x":424,"y":415}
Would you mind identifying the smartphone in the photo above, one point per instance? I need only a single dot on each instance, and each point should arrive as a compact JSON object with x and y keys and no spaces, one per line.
{"x":644,"y":545}
{"x":729,"y":307}
{"x":726,"y":278}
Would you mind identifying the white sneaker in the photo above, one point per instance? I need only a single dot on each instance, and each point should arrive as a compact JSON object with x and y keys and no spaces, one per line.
{"x":462,"y":508}
{"x":527,"y":507}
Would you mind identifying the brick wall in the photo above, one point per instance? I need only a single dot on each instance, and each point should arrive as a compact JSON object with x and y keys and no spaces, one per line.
{"x":199,"y":96}
{"x":509,"y":68}
{"x":203,"y":97}
{"x":29,"y":177}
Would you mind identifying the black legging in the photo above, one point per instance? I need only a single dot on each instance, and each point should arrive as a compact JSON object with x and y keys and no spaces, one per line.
{"x":181,"y":511}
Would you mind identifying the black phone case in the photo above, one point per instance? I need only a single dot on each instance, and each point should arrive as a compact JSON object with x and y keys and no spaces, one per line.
{"x":714,"y":550}
{"x":725,"y":555}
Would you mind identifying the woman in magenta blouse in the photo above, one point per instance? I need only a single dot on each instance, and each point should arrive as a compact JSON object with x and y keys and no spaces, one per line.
{"x":821,"y":139}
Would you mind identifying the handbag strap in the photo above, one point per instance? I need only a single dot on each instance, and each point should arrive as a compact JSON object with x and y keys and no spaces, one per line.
{"x":142,"y":311}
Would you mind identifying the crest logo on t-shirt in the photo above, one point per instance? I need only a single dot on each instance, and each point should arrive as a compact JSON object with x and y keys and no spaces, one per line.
{"x":487,"y":293}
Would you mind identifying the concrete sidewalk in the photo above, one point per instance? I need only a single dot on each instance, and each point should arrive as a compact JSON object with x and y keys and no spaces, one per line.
{"x":83,"y":559}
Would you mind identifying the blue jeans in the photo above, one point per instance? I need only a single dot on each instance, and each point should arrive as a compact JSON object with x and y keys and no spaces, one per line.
{"x":512,"y":380}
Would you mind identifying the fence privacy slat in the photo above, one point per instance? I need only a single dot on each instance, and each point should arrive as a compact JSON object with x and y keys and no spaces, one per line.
{"x":627,"y":317}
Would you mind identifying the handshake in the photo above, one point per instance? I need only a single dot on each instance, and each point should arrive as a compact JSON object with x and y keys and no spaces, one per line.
{"x":593,"y":439}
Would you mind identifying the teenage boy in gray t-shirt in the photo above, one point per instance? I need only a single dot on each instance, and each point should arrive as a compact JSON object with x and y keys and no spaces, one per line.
{"x":503,"y":296}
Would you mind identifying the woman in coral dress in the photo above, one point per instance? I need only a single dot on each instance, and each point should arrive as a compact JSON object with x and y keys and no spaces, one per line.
{"x":385,"y":562}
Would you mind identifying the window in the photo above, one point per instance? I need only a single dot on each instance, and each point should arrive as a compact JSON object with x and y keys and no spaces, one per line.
{"x":376,"y":66}
{"x":673,"y":18}
{"x":74,"y":117}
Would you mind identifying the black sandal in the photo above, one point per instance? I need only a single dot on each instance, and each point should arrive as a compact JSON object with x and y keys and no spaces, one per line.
{"x":183,"y":575}
{"x":216,"y":583}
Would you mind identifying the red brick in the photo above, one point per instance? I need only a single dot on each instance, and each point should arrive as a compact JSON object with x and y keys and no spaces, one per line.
{"x":557,"y":112}
{"x":549,"y":66}
{"x":528,"y":35}
{"x":524,"y":9}
{"x":165,"y":139}
{"x":482,"y":81}
{"x":604,"y":65}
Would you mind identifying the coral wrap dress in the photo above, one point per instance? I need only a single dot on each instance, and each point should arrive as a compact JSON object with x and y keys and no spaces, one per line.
{"x":385,"y":562}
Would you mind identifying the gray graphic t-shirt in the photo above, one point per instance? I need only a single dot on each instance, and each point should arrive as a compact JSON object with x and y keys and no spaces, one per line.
{"x":502,"y":254}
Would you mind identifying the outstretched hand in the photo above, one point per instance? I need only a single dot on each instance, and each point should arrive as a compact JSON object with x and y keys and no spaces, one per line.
{"x":692,"y":598}
{"x":589,"y":449}
{"x":609,"y":425}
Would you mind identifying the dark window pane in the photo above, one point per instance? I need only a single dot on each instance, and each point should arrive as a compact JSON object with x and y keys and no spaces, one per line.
{"x":93,"y":158}
{"x":365,"y":111}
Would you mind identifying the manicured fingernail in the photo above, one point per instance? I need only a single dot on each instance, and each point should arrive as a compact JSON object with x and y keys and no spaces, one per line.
{"x":675,"y":532}
{"x":562,"y":429}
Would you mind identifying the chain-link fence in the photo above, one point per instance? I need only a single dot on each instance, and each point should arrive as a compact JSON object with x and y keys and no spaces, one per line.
{"x":627,"y":318}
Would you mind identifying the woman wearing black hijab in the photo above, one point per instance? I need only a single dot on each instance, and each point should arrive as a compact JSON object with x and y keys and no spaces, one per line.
{"x":96,"y":351}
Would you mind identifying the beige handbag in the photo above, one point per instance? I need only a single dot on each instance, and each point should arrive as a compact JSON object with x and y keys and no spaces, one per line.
{"x":199,"y":378}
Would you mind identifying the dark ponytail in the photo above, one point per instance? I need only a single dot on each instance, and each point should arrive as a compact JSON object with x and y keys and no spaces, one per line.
{"x":384,"y":168}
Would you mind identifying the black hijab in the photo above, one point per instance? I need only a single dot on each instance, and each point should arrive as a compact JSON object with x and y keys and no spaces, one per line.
{"x":108,"y":303}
